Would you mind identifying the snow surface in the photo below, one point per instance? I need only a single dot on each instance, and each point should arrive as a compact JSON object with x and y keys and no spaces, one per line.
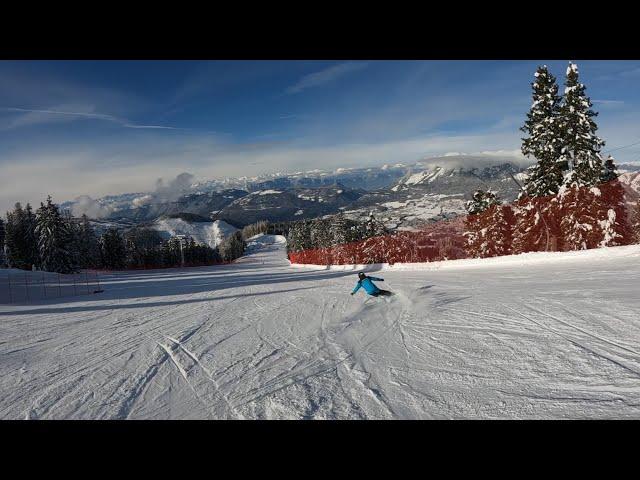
{"x":209,"y":233}
{"x":542,"y":336}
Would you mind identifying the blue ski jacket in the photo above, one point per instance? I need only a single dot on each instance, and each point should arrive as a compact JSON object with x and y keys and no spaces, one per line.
{"x":368,"y":285}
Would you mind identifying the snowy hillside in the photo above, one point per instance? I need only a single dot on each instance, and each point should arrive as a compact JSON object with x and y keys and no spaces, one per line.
{"x":209,"y":233}
{"x":431,"y":192}
{"x":410,"y":211}
{"x":288,"y":205}
{"x":260,"y":339}
{"x":631,"y":183}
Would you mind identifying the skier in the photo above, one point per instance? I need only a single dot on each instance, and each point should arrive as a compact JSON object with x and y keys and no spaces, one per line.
{"x":366,"y":283}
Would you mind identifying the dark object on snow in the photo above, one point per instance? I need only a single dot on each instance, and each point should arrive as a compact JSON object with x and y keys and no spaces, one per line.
{"x":382,"y":293}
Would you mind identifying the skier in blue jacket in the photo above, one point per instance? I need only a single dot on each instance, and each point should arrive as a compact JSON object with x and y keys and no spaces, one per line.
{"x":369,"y":287}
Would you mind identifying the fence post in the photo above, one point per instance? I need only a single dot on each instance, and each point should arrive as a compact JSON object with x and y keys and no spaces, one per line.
{"x":59,"y":288}
{"x":26,"y":287}
{"x":86,"y":280}
{"x":44,"y":286}
{"x":75,"y":292}
{"x":10,"y":297}
{"x":98,"y":281}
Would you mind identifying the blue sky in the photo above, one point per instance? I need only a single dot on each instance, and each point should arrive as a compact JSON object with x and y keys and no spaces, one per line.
{"x":99,"y":127}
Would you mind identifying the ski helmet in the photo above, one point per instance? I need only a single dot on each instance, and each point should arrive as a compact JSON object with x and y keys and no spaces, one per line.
{"x":361,"y":275}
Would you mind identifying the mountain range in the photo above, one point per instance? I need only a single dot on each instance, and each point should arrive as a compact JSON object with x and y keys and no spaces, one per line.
{"x":401,"y":196}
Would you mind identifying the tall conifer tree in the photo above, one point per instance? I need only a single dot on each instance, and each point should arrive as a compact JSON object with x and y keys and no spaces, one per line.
{"x":542,"y":141}
{"x":580,"y":144}
{"x":55,"y":241}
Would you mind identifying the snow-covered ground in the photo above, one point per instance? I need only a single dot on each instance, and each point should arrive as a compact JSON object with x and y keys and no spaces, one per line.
{"x":260,"y":339}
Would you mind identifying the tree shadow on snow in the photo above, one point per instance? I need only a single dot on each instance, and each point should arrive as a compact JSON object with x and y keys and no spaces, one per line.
{"x":127,"y":306}
{"x":173,"y":282}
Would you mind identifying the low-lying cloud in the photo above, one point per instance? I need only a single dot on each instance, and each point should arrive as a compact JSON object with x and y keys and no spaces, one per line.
{"x":478,"y":160}
{"x":166,"y":191}
{"x":86,"y":205}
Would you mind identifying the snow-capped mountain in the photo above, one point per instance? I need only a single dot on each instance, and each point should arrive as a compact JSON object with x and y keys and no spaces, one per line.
{"x":369,"y":178}
{"x":205,"y":204}
{"x":288,"y":204}
{"x":448,"y":180}
{"x":403,"y":195}
{"x":434,"y":193}
{"x":631,"y":183}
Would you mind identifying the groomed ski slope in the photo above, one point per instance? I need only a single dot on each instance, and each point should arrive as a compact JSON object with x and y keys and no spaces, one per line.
{"x":262,"y":339}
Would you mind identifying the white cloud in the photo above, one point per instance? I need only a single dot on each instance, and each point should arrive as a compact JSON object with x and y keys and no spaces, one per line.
{"x":86,"y":205}
{"x":454,"y":154}
{"x":325,"y":76}
{"x":478,"y":159}
{"x":30,"y":116}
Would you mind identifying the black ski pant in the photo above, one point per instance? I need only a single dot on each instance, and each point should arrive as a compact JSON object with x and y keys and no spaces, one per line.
{"x":381,"y":293}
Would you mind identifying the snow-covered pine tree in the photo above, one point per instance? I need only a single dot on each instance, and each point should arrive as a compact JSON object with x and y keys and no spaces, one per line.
{"x":299,"y":236}
{"x":498,"y":233}
{"x":20,"y":239}
{"x":374,"y":228}
{"x":542,"y":141}
{"x":580,"y":144}
{"x":536,"y":225}
{"x":294,"y":237}
{"x":579,"y":227}
{"x":74,"y":229}
{"x":232,"y":247}
{"x":112,"y":249}
{"x":592,"y":202}
{"x":171,"y":256}
{"x":153,"y":257}
{"x":613,"y":194}
{"x":609,"y":170}
{"x":55,"y":241}
{"x":2,"y":256}
{"x":613,"y":217}
{"x":239,"y":244}
{"x":338,"y":230}
{"x":321,"y":238}
{"x":32,"y":241}
{"x":15,"y":238}
{"x":339,"y":233}
{"x":320,"y":233}
{"x":374,"y":248}
{"x":87,"y":244}
{"x":190,"y":250}
{"x":140,"y":243}
{"x":304,"y":236}
{"x":636,"y":223}
{"x":481,"y":200}
{"x":477,"y":222}
{"x":473,"y":234}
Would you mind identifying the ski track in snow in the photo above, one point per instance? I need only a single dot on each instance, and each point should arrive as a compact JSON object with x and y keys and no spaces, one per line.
{"x":260,"y":339}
